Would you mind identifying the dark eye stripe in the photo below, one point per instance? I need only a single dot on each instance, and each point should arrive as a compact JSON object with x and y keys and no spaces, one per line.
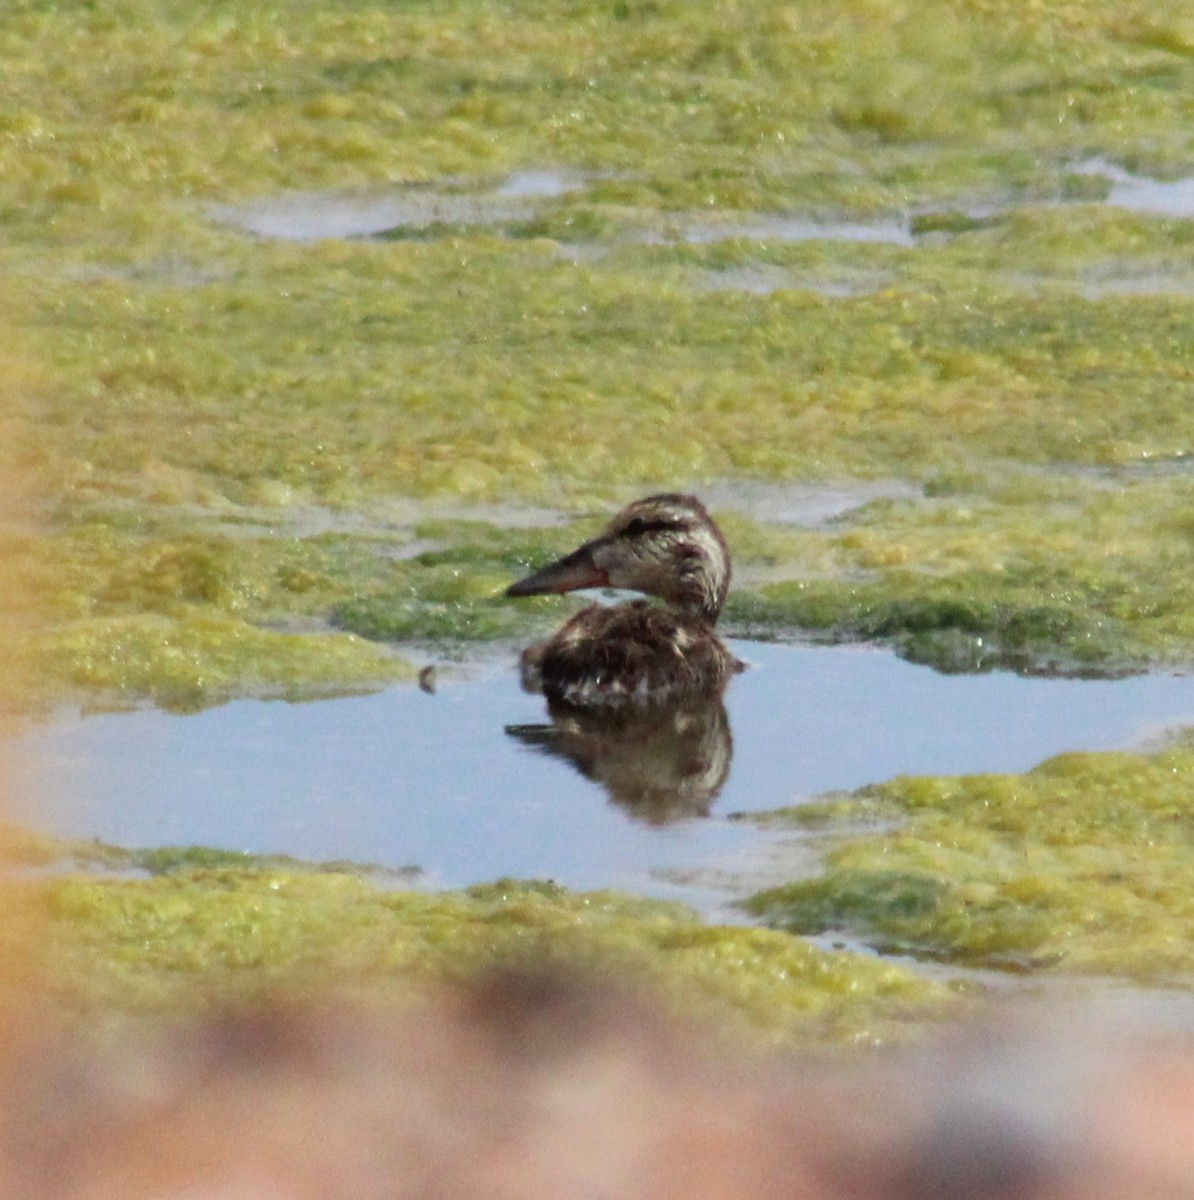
{"x":639,"y":525}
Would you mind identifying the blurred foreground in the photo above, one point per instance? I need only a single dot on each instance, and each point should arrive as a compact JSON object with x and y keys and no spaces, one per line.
{"x":529,"y":1084}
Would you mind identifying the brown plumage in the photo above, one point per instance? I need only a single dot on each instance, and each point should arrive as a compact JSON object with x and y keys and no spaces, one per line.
{"x":638,"y":653}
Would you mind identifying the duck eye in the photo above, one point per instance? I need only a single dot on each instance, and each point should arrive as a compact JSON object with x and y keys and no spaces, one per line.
{"x":636,"y":527}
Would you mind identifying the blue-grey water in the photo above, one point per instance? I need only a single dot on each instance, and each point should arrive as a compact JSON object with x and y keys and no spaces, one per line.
{"x":405,"y":778}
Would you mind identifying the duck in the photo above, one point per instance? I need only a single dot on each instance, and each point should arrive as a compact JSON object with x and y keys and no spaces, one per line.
{"x":638,"y":653}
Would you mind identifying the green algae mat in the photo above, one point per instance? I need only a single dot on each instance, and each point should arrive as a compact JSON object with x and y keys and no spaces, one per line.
{"x":1081,"y":866}
{"x":168,"y":930}
{"x":195,"y":399}
{"x":195,"y":938}
{"x":264,"y":466}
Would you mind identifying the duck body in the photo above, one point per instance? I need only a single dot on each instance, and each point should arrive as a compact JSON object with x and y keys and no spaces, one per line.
{"x":638,"y":653}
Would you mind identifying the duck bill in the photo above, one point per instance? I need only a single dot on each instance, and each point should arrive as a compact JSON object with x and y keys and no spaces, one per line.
{"x":577,"y":570}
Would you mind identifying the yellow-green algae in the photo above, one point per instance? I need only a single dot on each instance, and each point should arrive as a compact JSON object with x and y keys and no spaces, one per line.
{"x":21,"y":847}
{"x":1081,"y":865}
{"x":1039,"y":572}
{"x":747,"y":104}
{"x":174,"y":362}
{"x":208,"y":926}
{"x":570,"y":397}
{"x":157,"y":610}
{"x":486,"y":372}
{"x":195,"y":936}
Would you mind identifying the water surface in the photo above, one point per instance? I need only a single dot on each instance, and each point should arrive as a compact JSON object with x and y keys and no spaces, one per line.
{"x":459,"y":784}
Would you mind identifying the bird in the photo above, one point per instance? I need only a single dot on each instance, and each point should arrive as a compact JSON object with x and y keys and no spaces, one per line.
{"x":638,"y":653}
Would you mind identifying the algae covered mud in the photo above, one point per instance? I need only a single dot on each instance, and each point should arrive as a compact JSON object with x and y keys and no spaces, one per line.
{"x":644,"y":262}
{"x":934,"y":259}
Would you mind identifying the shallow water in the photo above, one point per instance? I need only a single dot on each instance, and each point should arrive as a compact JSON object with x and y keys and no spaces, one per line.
{"x":763,"y":279}
{"x":310,"y":216}
{"x":458,"y":782}
{"x":1141,"y":193}
{"x":519,"y":196}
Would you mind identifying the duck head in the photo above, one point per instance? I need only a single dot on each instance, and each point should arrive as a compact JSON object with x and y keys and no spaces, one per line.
{"x":665,"y":546}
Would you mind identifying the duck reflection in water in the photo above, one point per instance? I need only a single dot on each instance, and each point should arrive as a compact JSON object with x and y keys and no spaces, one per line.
{"x":661,"y":764}
{"x":635,"y":689}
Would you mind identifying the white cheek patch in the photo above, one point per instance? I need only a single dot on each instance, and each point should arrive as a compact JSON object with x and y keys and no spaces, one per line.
{"x":710,"y":565}
{"x":711,"y":547}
